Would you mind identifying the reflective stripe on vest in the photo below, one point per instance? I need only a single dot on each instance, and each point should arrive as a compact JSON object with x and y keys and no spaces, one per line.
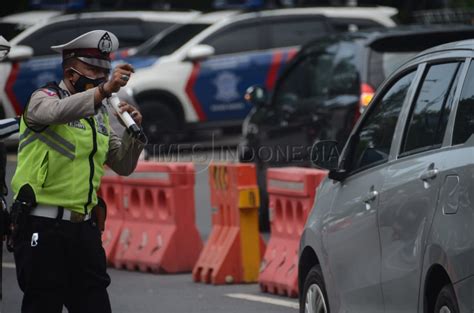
{"x":48,"y":141}
{"x":64,"y":163}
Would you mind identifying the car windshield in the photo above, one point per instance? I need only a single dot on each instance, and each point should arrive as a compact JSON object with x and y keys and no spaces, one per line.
{"x":329,"y":71}
{"x":11,"y":30}
{"x":169,"y":41}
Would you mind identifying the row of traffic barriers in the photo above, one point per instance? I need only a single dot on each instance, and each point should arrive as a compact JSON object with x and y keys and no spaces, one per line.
{"x":151,"y":223}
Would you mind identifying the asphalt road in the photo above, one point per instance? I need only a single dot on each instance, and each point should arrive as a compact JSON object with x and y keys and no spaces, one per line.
{"x":149,"y":293}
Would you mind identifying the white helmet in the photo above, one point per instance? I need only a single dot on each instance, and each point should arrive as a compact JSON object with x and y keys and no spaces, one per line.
{"x":4,"y":48}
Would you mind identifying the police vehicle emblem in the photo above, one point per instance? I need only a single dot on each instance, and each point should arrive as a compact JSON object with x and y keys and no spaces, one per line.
{"x":105,"y":44}
{"x":227,"y":84}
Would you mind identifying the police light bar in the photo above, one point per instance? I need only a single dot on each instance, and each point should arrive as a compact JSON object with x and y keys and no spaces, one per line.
{"x":58,"y":4}
{"x":239,"y":4}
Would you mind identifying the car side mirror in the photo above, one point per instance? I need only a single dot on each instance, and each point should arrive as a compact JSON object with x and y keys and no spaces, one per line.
{"x":18,"y":53}
{"x":256,"y":95}
{"x":200,"y":52}
{"x":4,"y":48}
{"x":325,"y":154}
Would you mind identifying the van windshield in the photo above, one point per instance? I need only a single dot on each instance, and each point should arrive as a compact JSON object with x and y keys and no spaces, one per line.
{"x":170,"y":40}
{"x":328,"y":72}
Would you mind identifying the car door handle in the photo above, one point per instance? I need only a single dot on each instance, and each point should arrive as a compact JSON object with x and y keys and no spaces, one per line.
{"x":371,"y":196}
{"x":429,"y":174}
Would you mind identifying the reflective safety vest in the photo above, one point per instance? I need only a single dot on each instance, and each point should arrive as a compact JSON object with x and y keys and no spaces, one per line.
{"x":64,"y":163}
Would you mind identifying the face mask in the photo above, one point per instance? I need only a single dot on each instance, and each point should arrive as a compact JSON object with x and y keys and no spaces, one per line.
{"x":85,"y":82}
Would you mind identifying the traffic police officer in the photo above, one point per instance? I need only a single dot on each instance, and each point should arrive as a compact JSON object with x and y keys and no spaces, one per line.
{"x":65,"y":140}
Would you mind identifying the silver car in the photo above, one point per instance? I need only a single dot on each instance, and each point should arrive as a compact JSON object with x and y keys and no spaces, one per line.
{"x":392,"y":228}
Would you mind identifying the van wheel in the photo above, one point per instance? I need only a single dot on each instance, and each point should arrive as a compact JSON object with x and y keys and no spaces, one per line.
{"x":446,"y":301}
{"x":314,"y":297}
{"x":160,"y":123}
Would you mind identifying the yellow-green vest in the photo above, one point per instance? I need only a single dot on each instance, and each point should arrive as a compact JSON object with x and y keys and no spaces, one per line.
{"x":64,"y":163}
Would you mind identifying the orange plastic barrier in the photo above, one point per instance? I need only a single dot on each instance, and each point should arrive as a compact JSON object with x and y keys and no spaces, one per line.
{"x":111,"y":191}
{"x":159,"y":233}
{"x":291,"y":192}
{"x":234,"y":249}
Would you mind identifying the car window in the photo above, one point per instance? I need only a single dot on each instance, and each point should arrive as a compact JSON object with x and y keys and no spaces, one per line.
{"x":464,"y":124}
{"x":129,"y":34}
{"x":42,"y":40}
{"x":351,"y":24}
{"x":170,"y":40}
{"x":430,"y":112}
{"x":152,"y":28}
{"x":287,"y":33}
{"x":374,"y":137}
{"x":319,"y":77}
{"x":235,"y":39}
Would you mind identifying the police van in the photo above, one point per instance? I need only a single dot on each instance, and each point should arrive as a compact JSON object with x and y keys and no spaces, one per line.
{"x":200,"y":70}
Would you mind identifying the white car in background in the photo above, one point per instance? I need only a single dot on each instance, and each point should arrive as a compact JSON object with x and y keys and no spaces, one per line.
{"x":12,"y":25}
{"x":198,"y":72}
{"x":31,"y":63}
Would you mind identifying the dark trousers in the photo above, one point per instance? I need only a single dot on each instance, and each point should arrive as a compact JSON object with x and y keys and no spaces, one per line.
{"x":61,"y":263}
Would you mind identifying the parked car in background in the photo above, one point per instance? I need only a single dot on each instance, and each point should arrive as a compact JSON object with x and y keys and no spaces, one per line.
{"x":32,"y":63}
{"x":12,"y":25}
{"x":200,"y":70}
{"x":344,"y":19}
{"x":392,"y":226}
{"x":323,"y":91}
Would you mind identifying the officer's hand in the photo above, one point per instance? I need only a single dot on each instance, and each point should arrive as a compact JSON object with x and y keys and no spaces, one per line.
{"x":119,"y":78}
{"x":134,"y":113}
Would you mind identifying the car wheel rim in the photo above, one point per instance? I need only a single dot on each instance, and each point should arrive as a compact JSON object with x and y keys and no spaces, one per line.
{"x":444,"y":309}
{"x":315,"y":302}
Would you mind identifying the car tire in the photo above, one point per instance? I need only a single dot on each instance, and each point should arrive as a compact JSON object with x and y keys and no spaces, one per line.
{"x":160,"y":123}
{"x":446,"y":301}
{"x":314,"y":297}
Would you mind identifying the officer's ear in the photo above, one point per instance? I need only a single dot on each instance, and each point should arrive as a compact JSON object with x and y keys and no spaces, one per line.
{"x":69,"y":72}
{"x":68,"y":68}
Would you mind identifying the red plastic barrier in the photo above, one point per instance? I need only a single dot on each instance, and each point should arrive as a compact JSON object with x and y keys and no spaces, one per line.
{"x":291,"y":191}
{"x":112,"y":193}
{"x":233,"y":251}
{"x":159,"y":232}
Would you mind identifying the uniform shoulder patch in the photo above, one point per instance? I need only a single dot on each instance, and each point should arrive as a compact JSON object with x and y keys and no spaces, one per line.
{"x":49,"y":92}
{"x":101,"y":126}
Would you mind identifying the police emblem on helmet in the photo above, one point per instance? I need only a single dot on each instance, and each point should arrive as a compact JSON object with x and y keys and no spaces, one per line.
{"x":105,"y":44}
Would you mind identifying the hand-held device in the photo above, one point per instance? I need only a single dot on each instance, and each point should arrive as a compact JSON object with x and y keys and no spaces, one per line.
{"x":130,"y":124}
